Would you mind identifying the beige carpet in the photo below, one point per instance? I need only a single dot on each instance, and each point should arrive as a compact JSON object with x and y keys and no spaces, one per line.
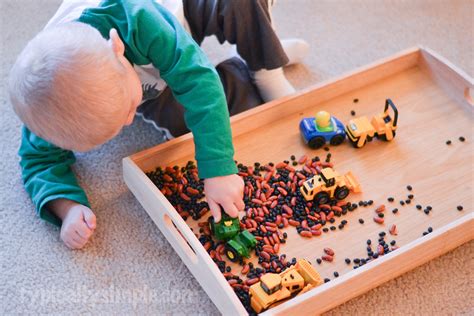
{"x":129,"y":267}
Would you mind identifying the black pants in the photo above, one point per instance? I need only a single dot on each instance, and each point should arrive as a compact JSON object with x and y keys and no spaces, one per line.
{"x":245,"y":23}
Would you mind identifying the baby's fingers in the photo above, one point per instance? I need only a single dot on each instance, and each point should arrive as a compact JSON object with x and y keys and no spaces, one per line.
{"x":83,"y":231}
{"x":215,"y":210}
{"x":240,"y":204}
{"x":231,"y":209}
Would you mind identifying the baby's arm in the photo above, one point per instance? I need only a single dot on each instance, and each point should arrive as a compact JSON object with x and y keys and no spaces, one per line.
{"x":50,"y":182}
{"x":196,"y":85}
{"x":152,"y":35}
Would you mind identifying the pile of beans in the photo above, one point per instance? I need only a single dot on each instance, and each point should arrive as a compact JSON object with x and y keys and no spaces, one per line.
{"x":273,"y":202}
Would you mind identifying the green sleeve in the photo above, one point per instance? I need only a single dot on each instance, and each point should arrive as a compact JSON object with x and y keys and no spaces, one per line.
{"x":153,"y":35}
{"x":47,"y":175}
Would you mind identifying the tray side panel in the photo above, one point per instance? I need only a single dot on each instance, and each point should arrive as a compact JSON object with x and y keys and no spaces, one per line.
{"x":453,"y":80}
{"x":189,"y":249}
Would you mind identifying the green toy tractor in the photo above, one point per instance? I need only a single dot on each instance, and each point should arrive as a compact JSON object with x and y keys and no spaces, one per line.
{"x":238,"y":243}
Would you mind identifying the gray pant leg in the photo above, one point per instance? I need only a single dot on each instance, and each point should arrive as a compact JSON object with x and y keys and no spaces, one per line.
{"x":241,"y":94}
{"x":245,"y":23}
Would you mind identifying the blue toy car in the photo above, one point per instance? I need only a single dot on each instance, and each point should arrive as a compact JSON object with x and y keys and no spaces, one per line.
{"x":316,"y":131}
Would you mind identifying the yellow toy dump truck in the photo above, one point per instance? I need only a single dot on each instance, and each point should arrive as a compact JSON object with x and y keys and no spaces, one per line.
{"x":329,"y":184}
{"x":274,"y":287}
{"x":360,"y":131}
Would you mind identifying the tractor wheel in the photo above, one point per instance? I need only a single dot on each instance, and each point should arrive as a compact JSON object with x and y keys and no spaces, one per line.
{"x":337,"y":140}
{"x":211,"y":224}
{"x":353,"y":143}
{"x":384,"y":137}
{"x":231,"y":253}
{"x":321,"y":198}
{"x":316,"y":142}
{"x":341,"y":193}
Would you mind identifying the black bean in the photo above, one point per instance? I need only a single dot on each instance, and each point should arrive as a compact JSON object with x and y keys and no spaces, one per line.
{"x":336,"y":274}
{"x":425,"y":233}
{"x":333,"y":227}
{"x":411,"y":196}
{"x":362,"y":221}
{"x":427,"y":211}
{"x":418,"y":206}
{"x":462,"y":138}
{"x":459,"y":207}
{"x":430,"y":229}
{"x":326,"y":280}
{"x":325,"y":229}
{"x":393,"y":242}
{"x":429,"y":207}
{"x":409,"y":187}
{"x":448,"y":142}
{"x":347,"y":260}
{"x":319,"y":260}
{"x":395,"y":211}
{"x":370,"y":202}
{"x":355,"y":100}
{"x":353,"y":112}
{"x":402,"y":202}
{"x":390,"y":199}
{"x":369,"y":241}
{"x":292,"y":157}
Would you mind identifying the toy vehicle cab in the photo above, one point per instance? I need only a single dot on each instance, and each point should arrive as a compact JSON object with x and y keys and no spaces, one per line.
{"x":274,"y":288}
{"x":322,"y":129}
{"x":329,"y":184}
{"x":238,"y":243}
{"x":360,"y":130}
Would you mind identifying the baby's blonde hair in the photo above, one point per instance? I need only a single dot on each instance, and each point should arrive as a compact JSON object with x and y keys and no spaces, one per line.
{"x":67,"y":86}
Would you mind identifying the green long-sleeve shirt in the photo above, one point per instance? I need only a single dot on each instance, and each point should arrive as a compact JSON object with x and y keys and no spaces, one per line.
{"x":152,"y":35}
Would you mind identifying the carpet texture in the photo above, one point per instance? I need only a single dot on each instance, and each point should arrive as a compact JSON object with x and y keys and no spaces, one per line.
{"x":129,"y":267}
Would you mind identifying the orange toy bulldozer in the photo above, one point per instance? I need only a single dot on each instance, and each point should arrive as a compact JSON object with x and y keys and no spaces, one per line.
{"x":360,"y":130}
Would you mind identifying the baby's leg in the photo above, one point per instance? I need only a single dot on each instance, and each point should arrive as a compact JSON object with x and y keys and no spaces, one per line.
{"x":167,"y":114}
{"x":247,"y":24}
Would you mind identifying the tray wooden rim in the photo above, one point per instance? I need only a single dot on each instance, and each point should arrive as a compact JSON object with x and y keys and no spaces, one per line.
{"x":455,"y":83}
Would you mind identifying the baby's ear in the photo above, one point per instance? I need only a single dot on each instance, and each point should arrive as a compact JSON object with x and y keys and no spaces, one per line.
{"x":116,"y":43}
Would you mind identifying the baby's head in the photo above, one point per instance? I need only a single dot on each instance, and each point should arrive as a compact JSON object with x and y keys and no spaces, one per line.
{"x":74,"y":88}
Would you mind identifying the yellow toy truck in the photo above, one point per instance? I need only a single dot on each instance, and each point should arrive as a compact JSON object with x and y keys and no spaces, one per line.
{"x":274,"y":288}
{"x":360,"y":131}
{"x":329,"y":184}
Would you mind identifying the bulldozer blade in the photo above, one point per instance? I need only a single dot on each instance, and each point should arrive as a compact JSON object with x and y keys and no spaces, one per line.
{"x":352,"y":182}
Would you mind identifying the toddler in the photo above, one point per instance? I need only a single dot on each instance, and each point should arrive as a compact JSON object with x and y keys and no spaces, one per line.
{"x":98,"y":63}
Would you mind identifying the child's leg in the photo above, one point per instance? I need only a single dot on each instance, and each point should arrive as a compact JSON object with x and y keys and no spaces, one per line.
{"x":248,"y":25}
{"x":167,"y":114}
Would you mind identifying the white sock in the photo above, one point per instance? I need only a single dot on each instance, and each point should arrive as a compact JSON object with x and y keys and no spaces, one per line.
{"x":296,"y":49}
{"x":272,"y":84}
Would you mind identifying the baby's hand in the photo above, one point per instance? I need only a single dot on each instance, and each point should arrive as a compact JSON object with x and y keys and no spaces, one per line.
{"x":226,"y":191}
{"x":78,"y":223}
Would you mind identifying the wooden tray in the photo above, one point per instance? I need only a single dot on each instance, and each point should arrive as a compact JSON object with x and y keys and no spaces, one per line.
{"x":434,"y":99}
